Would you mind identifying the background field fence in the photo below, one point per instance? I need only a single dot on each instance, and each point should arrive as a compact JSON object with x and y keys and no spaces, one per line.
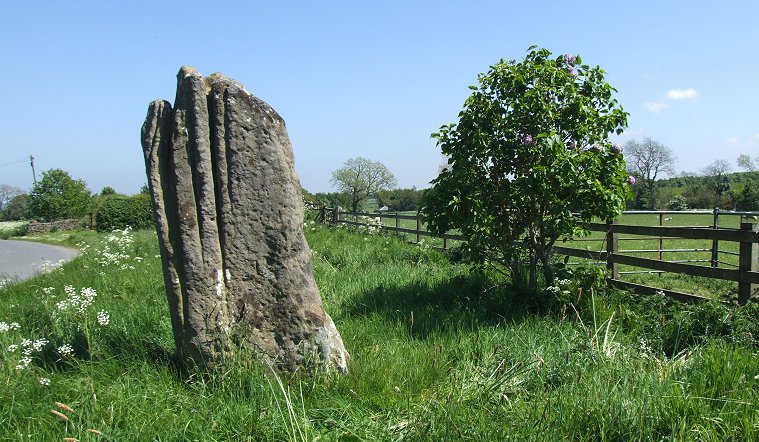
{"x":711,"y":244}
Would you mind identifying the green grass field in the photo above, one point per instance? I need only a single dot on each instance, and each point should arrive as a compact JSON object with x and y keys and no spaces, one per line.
{"x":439,"y":352}
{"x":695,"y":252}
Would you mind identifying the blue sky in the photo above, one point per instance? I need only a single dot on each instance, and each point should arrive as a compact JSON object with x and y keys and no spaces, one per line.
{"x":353,"y":78}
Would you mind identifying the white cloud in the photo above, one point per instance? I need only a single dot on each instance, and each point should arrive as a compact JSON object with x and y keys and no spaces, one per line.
{"x":681,"y":94}
{"x":656,"y":107}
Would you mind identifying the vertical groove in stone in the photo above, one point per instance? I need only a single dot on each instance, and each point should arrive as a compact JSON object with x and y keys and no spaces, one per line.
{"x":219,"y":167}
{"x":156,"y":147}
{"x":194,"y":175}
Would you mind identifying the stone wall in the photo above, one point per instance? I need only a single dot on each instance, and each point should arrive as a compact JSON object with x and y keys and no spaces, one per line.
{"x":62,"y":225}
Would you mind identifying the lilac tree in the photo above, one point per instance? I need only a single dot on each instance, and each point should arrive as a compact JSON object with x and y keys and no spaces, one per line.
{"x":530,"y":162}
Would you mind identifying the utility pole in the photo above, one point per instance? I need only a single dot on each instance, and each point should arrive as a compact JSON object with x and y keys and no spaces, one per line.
{"x":34,"y":174}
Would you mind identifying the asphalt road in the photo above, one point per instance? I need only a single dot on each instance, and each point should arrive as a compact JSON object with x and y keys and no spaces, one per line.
{"x":20,"y":260}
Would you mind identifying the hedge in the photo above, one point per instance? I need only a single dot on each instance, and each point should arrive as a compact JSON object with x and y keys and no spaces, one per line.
{"x":119,"y":211}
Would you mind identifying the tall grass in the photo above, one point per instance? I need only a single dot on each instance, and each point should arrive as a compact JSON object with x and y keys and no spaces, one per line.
{"x":439,"y":352}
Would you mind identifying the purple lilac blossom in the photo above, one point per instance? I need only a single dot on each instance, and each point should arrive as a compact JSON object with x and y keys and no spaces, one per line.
{"x":596,"y":148}
{"x":527,"y":140}
{"x":616,"y":148}
{"x":631,"y":180}
{"x":570,"y":59}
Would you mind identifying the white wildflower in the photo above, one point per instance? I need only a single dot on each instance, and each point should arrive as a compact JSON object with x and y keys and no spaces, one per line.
{"x":12,"y":348}
{"x":24,"y":362}
{"x":4,"y":327}
{"x":44,"y":381}
{"x":65,"y":350}
{"x":87,"y":297}
{"x":38,"y":344}
{"x":103,"y":318}
{"x":48,"y":290}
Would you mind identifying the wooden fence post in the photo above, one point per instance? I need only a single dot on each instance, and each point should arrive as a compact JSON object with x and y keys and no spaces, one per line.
{"x":612,"y":246}
{"x":715,"y":243}
{"x":661,"y":241}
{"x":747,"y":262}
{"x":397,"y":220}
{"x":418,"y":228}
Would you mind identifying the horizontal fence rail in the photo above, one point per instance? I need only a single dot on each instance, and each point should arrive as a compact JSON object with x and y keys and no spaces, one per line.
{"x":745,"y":272}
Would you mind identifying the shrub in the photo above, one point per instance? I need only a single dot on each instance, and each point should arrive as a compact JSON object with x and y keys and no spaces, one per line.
{"x":140,"y":211}
{"x":530,"y":162}
{"x":118,"y":212}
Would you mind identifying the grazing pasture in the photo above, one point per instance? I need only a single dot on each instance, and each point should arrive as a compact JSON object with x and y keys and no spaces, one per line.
{"x":701,"y":252}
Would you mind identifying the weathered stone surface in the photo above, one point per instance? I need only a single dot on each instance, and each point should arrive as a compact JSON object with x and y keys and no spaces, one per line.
{"x":229,"y":215}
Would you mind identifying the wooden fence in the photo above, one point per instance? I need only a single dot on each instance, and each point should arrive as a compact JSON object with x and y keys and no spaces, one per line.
{"x":746,"y":273}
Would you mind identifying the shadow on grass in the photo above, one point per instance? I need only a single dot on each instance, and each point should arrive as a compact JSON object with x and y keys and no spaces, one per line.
{"x":460,"y":303}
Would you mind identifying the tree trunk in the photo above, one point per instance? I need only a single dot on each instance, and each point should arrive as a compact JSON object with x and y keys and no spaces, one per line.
{"x":533,"y":271}
{"x":545,"y":259}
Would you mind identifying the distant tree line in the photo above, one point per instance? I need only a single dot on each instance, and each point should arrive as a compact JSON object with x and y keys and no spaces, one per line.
{"x":715,"y":186}
{"x":58,"y":196}
{"x":650,"y":162}
{"x":401,"y":200}
{"x":725,"y":190}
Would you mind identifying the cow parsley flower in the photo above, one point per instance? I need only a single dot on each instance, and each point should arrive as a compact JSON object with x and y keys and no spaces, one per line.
{"x":45,"y":381}
{"x":39,"y":343}
{"x":24,"y":363}
{"x":103,"y":318}
{"x":77,"y":301}
{"x":65,"y":350}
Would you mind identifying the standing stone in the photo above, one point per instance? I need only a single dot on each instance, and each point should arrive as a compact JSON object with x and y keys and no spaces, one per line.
{"x":229,"y":214}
